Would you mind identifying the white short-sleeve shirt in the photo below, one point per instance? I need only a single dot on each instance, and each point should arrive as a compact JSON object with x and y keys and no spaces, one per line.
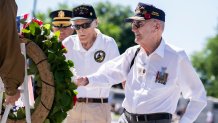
{"x":87,"y":62}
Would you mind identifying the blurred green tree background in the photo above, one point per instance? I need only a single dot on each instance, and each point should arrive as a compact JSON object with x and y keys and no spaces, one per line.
{"x":206,"y":64}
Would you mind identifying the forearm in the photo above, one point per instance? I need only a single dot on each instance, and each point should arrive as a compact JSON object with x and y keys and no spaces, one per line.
{"x":99,"y":81}
{"x":11,"y":59}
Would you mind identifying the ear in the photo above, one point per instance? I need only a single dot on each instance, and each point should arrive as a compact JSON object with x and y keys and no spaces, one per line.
{"x":96,"y":23}
{"x":156,"y":26}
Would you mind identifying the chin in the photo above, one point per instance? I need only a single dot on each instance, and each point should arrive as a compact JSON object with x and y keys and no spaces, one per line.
{"x":82,"y":39}
{"x":137,"y":41}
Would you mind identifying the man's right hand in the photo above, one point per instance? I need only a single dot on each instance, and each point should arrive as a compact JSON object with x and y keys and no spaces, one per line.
{"x":82,"y":81}
{"x":12,"y":99}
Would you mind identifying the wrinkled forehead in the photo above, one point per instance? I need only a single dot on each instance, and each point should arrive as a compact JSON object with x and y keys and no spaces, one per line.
{"x":61,"y":28}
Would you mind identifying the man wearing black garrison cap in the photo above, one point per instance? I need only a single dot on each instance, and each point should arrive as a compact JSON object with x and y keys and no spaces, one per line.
{"x":61,"y":22}
{"x":156,"y":74}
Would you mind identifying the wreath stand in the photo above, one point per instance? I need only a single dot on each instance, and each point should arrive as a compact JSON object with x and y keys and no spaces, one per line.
{"x":47,"y":95}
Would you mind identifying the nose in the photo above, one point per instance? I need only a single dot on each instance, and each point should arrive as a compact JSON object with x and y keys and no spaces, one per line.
{"x":134,"y":27}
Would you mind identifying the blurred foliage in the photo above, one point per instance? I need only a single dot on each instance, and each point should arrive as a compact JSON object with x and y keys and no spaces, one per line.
{"x":206,"y":64}
{"x":45,"y":16}
{"x":60,"y":67}
{"x":111,"y":22}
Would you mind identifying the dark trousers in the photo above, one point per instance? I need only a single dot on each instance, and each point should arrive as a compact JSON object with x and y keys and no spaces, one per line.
{"x":124,"y":119}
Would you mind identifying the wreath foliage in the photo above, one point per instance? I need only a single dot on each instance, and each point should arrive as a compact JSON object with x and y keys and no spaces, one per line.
{"x":60,"y":67}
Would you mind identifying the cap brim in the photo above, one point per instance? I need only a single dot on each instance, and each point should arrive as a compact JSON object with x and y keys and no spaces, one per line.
{"x":78,"y":18}
{"x":61,"y":23}
{"x":130,"y":19}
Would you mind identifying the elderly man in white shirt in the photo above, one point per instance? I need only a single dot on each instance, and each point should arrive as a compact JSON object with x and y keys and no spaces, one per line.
{"x":89,"y":49}
{"x":156,"y":74}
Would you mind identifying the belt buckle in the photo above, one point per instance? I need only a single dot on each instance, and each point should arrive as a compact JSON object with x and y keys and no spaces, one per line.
{"x":138,"y":120}
{"x":102,"y":101}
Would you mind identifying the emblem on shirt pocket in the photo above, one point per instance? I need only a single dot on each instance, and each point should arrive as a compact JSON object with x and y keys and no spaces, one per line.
{"x":99,"y":56}
{"x":161,"y":76}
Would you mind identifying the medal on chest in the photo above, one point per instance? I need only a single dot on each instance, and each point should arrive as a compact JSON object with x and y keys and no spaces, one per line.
{"x":161,"y":76}
{"x":99,"y":56}
{"x":141,"y":71}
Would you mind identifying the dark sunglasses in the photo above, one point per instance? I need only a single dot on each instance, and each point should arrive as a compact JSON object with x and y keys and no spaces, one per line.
{"x":137,"y":24}
{"x":84,"y":26}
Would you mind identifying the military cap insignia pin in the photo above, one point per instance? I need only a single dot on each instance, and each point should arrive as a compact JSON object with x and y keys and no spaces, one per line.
{"x":139,"y":9}
{"x":99,"y":56}
{"x":155,"y":13}
{"x":161,"y":76}
{"x":61,"y":14}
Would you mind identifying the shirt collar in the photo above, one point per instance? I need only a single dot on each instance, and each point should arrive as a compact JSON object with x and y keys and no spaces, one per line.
{"x":160,"y":49}
{"x":78,"y":45}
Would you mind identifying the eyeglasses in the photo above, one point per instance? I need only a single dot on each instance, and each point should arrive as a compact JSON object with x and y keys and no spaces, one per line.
{"x":84,"y":26}
{"x":137,"y":24}
{"x":61,"y":27}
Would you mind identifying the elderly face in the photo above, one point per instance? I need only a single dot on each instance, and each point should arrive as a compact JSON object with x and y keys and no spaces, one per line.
{"x":64,"y":32}
{"x":85,"y":29}
{"x":144,"y":31}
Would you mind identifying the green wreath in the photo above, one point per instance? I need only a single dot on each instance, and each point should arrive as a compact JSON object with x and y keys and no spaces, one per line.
{"x":59,"y":67}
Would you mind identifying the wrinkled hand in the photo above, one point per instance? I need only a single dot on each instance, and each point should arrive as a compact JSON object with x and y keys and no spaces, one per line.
{"x":82,"y":81}
{"x":12,"y":99}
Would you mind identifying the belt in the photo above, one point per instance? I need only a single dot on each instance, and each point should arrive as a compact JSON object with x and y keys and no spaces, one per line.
{"x":147,"y":117}
{"x":93,"y":100}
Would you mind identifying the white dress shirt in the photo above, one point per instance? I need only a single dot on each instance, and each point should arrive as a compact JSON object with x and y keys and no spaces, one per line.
{"x":142,"y":94}
{"x":85,"y":63}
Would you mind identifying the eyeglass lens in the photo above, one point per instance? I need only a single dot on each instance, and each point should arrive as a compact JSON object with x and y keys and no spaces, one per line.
{"x":137,"y":24}
{"x":84,"y":26}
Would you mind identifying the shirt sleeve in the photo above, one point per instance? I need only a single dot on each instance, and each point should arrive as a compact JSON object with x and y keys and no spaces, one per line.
{"x":68,"y":44}
{"x":112,"y":72}
{"x":11,"y":59}
{"x":192,"y":88}
{"x":114,"y":52}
